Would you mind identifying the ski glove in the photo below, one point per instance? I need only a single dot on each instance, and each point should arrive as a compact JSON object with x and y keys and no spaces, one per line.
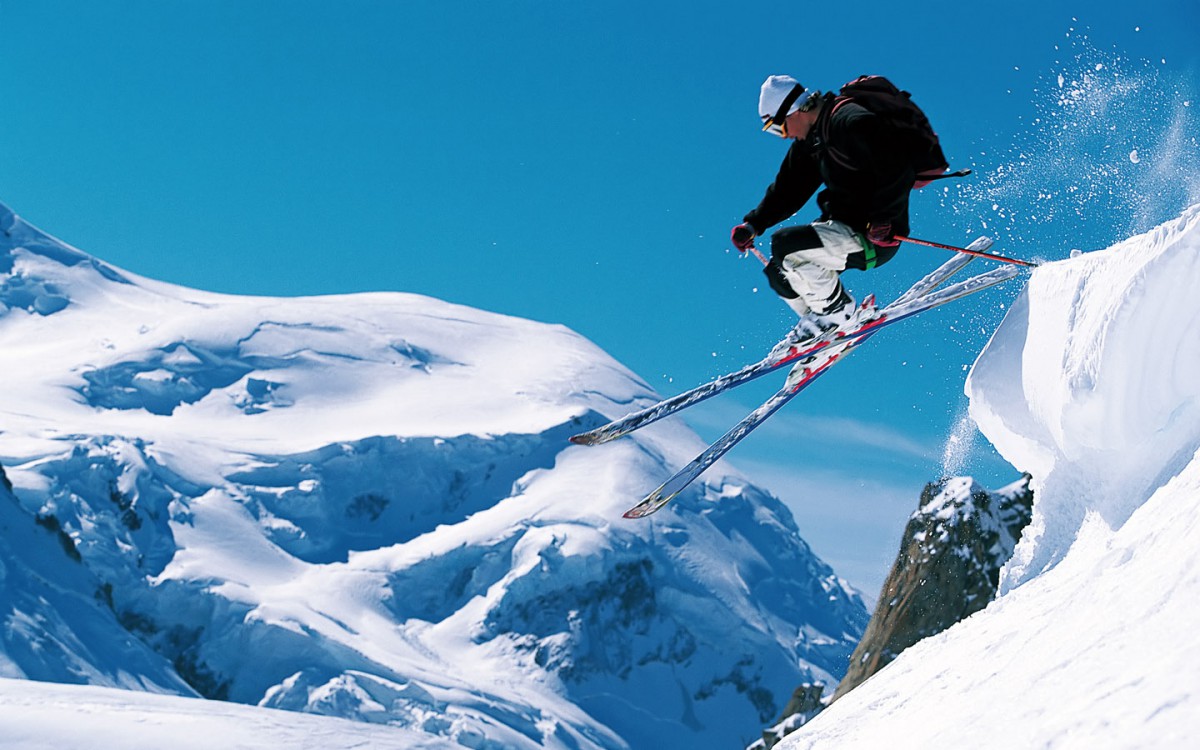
{"x":743,"y":236}
{"x":880,"y":235}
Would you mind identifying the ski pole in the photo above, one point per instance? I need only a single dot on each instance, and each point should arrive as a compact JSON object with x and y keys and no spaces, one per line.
{"x":993,"y":256}
{"x":944,"y":175}
{"x":758,"y":254}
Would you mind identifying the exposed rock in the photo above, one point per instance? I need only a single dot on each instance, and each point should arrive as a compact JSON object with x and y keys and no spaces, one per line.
{"x":948,"y":568}
{"x":805,"y":703}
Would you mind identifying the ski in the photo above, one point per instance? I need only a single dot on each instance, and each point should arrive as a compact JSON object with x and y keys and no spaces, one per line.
{"x":685,"y":476}
{"x":782,"y":354}
{"x":803,"y":375}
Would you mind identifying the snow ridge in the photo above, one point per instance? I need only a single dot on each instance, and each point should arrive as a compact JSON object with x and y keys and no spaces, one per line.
{"x":1118,"y":413}
{"x":1092,"y":385}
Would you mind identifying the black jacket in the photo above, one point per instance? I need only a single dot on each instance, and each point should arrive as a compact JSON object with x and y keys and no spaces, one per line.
{"x":858,"y":157}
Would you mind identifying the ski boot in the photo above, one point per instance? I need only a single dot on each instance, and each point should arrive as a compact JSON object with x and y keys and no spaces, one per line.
{"x":843,"y":315}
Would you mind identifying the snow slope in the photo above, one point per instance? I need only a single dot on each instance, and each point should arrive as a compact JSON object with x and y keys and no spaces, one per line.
{"x":366,"y":507}
{"x":48,"y":716}
{"x":1092,"y":384}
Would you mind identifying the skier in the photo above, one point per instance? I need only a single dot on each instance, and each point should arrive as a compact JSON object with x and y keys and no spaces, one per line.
{"x":867,"y":169}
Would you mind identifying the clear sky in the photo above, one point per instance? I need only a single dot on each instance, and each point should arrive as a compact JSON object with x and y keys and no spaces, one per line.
{"x":583,"y":163}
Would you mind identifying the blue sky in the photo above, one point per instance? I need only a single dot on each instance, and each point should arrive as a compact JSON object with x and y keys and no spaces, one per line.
{"x":582,"y":164}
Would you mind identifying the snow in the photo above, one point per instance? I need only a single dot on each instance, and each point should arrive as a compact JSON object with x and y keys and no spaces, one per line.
{"x":365,"y":507}
{"x":1111,"y":407}
{"x":45,"y":716}
{"x":1092,"y":384}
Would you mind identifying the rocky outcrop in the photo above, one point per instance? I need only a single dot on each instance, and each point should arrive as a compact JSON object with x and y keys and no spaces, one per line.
{"x":948,"y":568}
{"x":805,"y":703}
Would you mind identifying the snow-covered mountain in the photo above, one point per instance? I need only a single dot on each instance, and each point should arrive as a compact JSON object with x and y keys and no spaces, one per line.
{"x":1092,"y":385}
{"x":366,"y":507}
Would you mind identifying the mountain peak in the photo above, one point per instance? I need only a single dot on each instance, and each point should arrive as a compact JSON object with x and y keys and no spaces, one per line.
{"x":366,"y":506}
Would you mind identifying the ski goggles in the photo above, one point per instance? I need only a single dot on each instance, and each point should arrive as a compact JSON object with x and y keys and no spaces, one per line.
{"x":798,"y":97}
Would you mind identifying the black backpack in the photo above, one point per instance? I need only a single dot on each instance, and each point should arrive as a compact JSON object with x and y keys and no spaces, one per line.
{"x":880,"y":96}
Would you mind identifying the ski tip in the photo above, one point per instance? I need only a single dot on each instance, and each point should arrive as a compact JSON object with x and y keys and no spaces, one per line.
{"x":584,"y":438}
{"x":639,"y":512}
{"x":648,"y":506}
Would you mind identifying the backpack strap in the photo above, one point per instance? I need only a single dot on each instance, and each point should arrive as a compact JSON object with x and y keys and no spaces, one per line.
{"x":834,"y":154}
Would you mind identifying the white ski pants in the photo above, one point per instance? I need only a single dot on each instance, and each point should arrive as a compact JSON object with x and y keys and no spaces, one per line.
{"x":810,"y":260}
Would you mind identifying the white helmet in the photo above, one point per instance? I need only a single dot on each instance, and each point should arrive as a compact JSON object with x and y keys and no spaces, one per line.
{"x":781,"y":96}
